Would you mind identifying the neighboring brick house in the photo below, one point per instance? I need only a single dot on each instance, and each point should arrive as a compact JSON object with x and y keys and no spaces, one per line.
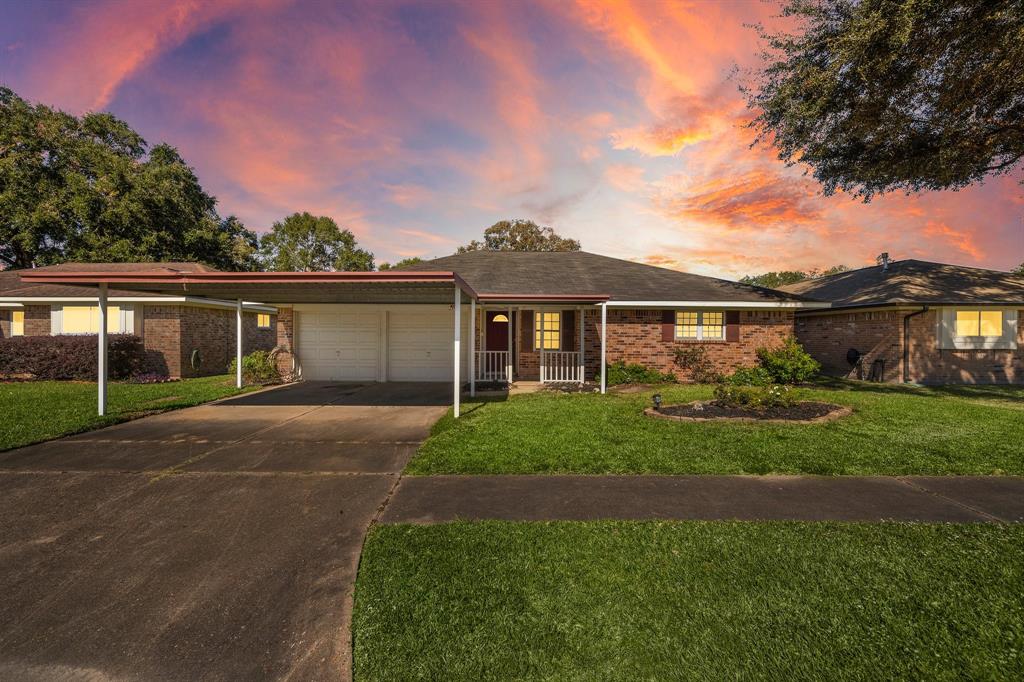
{"x":183,"y":336}
{"x":915,"y":321}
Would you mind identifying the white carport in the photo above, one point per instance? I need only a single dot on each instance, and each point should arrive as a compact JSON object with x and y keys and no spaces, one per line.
{"x":359,"y":325}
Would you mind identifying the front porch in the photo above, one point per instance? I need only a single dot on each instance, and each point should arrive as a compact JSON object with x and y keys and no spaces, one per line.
{"x":539,"y":343}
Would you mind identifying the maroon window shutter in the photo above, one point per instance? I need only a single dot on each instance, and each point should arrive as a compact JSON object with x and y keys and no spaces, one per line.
{"x":732,"y":325}
{"x":527,"y":325}
{"x":668,"y":325}
{"x":568,"y":327}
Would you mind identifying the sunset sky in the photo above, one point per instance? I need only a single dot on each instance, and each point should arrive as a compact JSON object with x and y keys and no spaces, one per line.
{"x":417,"y":125}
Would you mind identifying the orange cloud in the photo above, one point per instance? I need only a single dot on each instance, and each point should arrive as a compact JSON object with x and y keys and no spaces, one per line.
{"x":625,"y":177}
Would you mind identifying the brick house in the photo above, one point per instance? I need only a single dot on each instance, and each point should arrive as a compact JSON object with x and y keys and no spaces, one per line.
{"x":915,"y":321}
{"x":485,"y":316}
{"x":184,"y":336}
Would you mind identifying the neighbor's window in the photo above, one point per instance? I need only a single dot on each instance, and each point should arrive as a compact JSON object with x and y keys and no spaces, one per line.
{"x":83,"y":319}
{"x":979,"y":323}
{"x":263,"y":320}
{"x":548,"y":331}
{"x":17,"y":323}
{"x":700,"y":325}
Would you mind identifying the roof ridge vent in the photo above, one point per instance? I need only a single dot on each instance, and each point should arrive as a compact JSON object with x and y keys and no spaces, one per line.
{"x":883,"y":260}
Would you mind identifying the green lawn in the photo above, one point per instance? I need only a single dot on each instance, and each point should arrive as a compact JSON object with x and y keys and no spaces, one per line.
{"x":690,"y":600}
{"x":35,"y":411}
{"x":894,"y":430}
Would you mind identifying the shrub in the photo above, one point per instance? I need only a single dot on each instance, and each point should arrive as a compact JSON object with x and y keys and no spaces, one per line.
{"x":69,"y":357}
{"x":621,"y":373}
{"x":258,"y":367}
{"x":756,"y":397}
{"x":695,"y":360}
{"x":750,"y":376}
{"x":149,"y":378}
{"x":788,"y":363}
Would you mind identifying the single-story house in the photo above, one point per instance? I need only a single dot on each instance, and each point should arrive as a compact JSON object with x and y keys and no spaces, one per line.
{"x":549,"y":316}
{"x":915,"y":321}
{"x":184,"y":336}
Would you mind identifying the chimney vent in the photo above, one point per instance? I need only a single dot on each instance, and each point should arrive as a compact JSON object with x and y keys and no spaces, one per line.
{"x":883,"y":260}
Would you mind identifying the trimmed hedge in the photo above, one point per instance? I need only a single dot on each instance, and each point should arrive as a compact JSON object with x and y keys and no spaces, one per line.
{"x":69,"y":357}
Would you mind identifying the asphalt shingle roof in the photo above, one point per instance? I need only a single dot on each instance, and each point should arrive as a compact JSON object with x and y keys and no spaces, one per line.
{"x":12,"y":286}
{"x":581,"y":273}
{"x":914,"y":282}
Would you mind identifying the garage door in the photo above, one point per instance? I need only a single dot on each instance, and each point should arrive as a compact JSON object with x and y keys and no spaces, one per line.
{"x":338,"y":344}
{"x":420,"y":344}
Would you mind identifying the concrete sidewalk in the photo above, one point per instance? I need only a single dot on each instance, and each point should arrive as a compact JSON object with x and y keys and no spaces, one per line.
{"x":436,"y":499}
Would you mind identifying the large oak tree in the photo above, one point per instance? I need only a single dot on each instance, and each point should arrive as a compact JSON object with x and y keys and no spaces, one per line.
{"x":520,"y":235}
{"x":90,"y":189}
{"x":303,"y":242}
{"x":883,"y":95}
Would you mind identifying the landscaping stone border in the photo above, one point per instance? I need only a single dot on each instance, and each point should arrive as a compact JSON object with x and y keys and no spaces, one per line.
{"x":839,"y":412}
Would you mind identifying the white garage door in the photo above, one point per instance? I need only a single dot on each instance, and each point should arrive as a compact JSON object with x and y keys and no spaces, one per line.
{"x":337,"y":344}
{"x":420,"y":343}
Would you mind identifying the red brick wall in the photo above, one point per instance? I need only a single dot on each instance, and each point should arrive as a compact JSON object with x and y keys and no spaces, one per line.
{"x":285,"y":339}
{"x":880,"y":335}
{"x":875,"y":334}
{"x":634,"y":336}
{"x":5,"y":324}
{"x":160,"y":328}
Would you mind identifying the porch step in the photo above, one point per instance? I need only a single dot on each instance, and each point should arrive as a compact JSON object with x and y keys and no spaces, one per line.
{"x":525,"y":387}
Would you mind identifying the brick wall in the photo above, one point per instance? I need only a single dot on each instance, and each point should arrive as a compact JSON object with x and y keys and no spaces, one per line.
{"x":634,"y":336}
{"x":5,"y":324}
{"x":880,"y":335}
{"x":37,"y":320}
{"x":285,"y":340}
{"x":877,"y":335}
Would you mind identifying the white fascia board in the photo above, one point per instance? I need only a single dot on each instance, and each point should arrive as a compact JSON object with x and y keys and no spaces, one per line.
{"x":14,"y":301}
{"x":741,"y":305}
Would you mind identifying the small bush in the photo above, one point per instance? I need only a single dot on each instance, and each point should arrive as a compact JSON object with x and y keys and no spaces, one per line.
{"x":621,"y":373}
{"x":69,"y":357}
{"x":750,"y":376}
{"x":788,"y":363}
{"x":757,"y":397}
{"x":695,"y":360}
{"x":149,"y":378}
{"x":258,"y":367}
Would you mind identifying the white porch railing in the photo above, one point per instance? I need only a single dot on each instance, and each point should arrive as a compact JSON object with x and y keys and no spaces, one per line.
{"x":560,"y":366}
{"x":492,"y":365}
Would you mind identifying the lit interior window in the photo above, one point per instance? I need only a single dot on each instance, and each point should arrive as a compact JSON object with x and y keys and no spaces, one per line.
{"x":83,"y":319}
{"x":263,"y":320}
{"x":686,"y":324}
{"x":979,"y":323}
{"x":548,"y":331}
{"x":714,"y":325}
{"x":499,"y":318}
{"x":17,"y":323}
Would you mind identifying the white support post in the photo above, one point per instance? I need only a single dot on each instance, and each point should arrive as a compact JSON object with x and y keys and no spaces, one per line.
{"x":238,"y":343}
{"x":472,"y":347}
{"x":101,"y":354}
{"x":579,"y":313}
{"x":457,"y":345}
{"x":604,"y":342}
{"x":518,"y":338}
{"x":508,"y":364}
{"x":542,"y":364}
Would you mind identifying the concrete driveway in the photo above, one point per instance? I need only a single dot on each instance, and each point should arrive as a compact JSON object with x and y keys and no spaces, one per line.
{"x":218,"y":542}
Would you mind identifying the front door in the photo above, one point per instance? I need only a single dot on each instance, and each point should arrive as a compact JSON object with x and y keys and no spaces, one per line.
{"x":498,"y":325}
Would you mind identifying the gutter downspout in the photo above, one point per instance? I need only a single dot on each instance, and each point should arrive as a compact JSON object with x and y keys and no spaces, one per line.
{"x":906,"y":342}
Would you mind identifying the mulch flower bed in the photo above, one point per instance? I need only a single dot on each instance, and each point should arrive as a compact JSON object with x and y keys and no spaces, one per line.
{"x":806,"y":412}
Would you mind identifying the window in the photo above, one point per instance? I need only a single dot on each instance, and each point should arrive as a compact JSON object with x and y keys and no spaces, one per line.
{"x":83,"y":319}
{"x":977,"y":328}
{"x":548,"y":331}
{"x":263,"y":320}
{"x":700,"y":325}
{"x":979,"y":323}
{"x":17,"y":323}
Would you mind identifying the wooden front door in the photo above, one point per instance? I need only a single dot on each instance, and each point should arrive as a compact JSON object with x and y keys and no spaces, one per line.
{"x":498,"y":327}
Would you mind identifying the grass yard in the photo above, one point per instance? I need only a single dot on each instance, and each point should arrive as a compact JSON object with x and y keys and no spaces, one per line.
{"x":895,"y":430}
{"x":35,"y":411}
{"x":690,"y":600}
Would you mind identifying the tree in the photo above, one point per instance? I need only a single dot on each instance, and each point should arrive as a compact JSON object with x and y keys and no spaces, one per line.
{"x":86,"y":189}
{"x":1019,"y":270}
{"x":883,"y":95}
{"x":304,"y":242}
{"x":774,"y":280}
{"x":520,"y":235}
{"x":404,"y":263}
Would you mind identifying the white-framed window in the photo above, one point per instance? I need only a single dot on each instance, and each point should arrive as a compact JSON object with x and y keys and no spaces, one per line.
{"x":263,"y":320}
{"x":17,"y":323}
{"x":85,"y":319}
{"x":977,"y":328}
{"x":547,"y":329}
{"x":700,"y":325}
